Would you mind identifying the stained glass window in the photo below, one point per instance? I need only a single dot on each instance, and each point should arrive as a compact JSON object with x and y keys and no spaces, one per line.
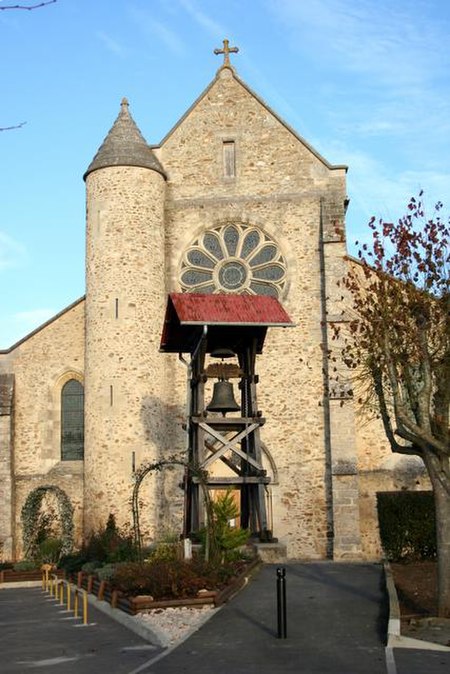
{"x":72,"y":421}
{"x":234,"y":258}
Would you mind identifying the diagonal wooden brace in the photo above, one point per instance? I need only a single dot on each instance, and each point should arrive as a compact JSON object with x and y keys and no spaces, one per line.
{"x":228,"y":444}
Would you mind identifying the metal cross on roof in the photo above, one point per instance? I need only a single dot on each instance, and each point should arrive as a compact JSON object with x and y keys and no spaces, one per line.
{"x":226,"y":51}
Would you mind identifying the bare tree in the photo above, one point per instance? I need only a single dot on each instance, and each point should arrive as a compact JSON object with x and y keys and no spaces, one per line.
{"x":26,"y":7}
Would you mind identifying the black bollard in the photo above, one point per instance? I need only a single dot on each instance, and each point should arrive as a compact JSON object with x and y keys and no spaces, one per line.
{"x":281,"y":603}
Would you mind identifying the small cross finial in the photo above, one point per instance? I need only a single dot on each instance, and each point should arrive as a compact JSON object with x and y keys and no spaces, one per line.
{"x":226,"y":51}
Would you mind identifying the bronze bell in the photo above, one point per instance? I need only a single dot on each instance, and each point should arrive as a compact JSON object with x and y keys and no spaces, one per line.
{"x":223,"y":398}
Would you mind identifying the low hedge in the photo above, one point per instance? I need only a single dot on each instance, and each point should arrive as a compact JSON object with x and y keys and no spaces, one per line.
{"x":407,"y":525}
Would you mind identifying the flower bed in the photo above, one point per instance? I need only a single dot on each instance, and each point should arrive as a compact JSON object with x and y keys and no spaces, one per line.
{"x":132,"y":605}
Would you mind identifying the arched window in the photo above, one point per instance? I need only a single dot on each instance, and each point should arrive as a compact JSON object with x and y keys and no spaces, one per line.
{"x":72,"y":421}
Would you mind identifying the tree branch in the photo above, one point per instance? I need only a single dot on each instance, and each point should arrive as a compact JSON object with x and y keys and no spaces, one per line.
{"x":10,"y":128}
{"x":29,"y":7}
{"x":385,"y":417}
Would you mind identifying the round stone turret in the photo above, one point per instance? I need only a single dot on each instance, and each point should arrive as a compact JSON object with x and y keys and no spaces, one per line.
{"x":125,"y":302}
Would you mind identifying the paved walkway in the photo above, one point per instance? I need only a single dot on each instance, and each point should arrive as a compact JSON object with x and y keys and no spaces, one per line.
{"x":336,"y":620}
{"x":336,"y":623}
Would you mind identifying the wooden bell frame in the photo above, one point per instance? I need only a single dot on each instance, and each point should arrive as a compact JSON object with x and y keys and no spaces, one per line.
{"x":201,"y":325}
{"x":233,"y":440}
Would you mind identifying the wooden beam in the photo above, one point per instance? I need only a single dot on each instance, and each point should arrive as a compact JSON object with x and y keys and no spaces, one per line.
{"x":217,"y":481}
{"x":228,"y":444}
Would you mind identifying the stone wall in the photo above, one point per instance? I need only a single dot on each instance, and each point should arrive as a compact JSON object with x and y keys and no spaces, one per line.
{"x":6,"y":467}
{"x":41,"y":365}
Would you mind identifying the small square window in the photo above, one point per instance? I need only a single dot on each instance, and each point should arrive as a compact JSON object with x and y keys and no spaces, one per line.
{"x":229,"y":159}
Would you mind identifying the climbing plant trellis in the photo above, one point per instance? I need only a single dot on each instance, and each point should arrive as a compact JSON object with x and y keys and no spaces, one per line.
{"x":30,"y":516}
{"x":190,"y":470}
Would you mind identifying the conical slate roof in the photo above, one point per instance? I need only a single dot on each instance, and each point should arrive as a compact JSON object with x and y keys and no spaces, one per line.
{"x":124,"y":146}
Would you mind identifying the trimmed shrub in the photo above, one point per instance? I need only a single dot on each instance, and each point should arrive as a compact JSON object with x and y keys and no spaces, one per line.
{"x":407,"y":525}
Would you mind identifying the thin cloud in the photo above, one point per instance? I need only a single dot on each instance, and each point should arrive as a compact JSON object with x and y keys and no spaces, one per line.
{"x":376,"y":39}
{"x":111,"y":44}
{"x":145,"y":21}
{"x":34,"y":317}
{"x":210,"y":25}
{"x":16,"y":326}
{"x":12,"y":253}
{"x":378,"y":190}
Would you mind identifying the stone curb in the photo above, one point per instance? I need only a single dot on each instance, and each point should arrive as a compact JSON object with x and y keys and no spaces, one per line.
{"x":21,"y":584}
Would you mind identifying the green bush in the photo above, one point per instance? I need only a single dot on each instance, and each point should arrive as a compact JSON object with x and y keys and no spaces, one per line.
{"x":225,"y":540}
{"x":164,"y":552}
{"x":49,"y":551}
{"x":407,"y":525}
{"x":91,"y":567}
{"x":72,"y":563}
{"x":106,"y":572}
{"x":173,"y":579}
{"x":109,"y":545}
{"x":164,"y":579}
{"x":25,"y":565}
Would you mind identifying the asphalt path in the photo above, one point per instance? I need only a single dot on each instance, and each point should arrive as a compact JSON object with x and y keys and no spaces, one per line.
{"x":336,"y":622}
{"x":38,"y":635}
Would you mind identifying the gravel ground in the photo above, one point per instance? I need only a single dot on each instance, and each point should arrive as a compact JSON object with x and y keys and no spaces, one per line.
{"x":173,"y":625}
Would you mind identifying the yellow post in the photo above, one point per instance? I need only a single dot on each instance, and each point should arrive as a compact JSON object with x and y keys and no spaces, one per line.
{"x":68,"y":596}
{"x":75,"y":601}
{"x":61,"y":592}
{"x":55,"y":586}
{"x":85,"y":608}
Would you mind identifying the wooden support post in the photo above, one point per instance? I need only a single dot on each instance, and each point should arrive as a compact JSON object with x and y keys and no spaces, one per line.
{"x":101,"y":590}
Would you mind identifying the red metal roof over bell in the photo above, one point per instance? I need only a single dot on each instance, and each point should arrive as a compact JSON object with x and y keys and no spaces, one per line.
{"x":187,"y":312}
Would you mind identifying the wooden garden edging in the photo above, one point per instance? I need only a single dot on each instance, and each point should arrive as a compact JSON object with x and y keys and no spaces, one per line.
{"x":133,"y":605}
{"x":11,"y":576}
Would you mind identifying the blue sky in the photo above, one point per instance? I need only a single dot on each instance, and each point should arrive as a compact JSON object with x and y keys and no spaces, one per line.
{"x":366,"y":82}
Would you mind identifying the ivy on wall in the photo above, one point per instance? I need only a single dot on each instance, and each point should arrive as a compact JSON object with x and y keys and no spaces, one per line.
{"x":30,"y":516}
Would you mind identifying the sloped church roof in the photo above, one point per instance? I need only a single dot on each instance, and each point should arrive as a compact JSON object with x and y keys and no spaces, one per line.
{"x":124,"y":146}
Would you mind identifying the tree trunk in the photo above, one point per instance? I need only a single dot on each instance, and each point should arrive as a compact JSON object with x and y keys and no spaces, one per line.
{"x":442,"y":507}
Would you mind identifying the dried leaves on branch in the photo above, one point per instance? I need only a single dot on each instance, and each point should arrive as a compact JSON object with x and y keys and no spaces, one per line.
{"x":398,"y":347}
{"x":399,"y":340}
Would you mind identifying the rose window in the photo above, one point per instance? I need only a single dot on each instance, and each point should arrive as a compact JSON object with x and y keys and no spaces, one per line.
{"x":233,"y":258}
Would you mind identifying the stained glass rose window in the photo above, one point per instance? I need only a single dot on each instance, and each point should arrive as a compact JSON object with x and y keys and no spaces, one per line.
{"x":233,"y":258}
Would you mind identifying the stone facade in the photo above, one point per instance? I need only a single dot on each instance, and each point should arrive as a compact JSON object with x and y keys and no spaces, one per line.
{"x":230,"y":159}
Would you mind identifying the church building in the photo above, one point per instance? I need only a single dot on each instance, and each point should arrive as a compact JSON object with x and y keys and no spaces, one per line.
{"x":232,"y":202}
